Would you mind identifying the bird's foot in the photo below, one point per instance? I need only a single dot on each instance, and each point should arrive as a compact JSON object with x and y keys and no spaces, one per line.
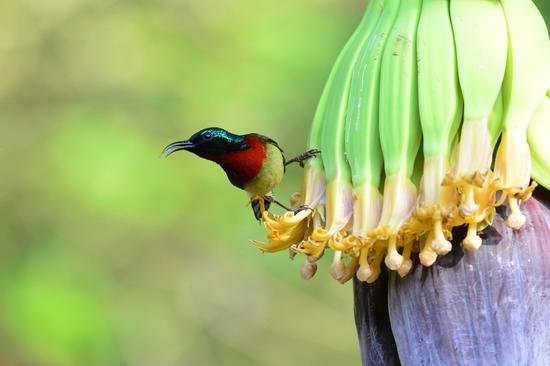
{"x":259,"y":206}
{"x":302,"y":208}
{"x":300,"y":159}
{"x":272,"y":199}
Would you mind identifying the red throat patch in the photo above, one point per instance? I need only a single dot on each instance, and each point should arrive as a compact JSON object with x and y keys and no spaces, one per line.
{"x":245,"y":163}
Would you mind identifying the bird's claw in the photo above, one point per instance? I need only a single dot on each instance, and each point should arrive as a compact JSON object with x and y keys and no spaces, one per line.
{"x":308,"y":155}
{"x":272,"y":199}
{"x":300,"y":159}
{"x":302,"y":208}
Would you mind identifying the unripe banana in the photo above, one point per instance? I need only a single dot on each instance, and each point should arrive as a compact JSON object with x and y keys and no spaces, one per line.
{"x":338,"y":203}
{"x":362,"y":138}
{"x":400,"y":130}
{"x":525,"y":84}
{"x":363,"y":198}
{"x":481,"y":42}
{"x":430,"y":68}
{"x":440,"y":103}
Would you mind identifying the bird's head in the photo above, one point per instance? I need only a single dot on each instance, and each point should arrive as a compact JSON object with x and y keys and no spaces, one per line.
{"x":210,"y":143}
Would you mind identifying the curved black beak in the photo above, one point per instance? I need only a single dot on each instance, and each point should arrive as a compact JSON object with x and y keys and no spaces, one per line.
{"x":177,"y":146}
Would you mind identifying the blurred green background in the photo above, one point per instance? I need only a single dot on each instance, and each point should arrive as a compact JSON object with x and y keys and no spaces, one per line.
{"x":112,"y":256}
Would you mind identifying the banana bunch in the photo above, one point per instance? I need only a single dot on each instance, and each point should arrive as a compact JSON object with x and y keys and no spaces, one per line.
{"x":421,"y":99}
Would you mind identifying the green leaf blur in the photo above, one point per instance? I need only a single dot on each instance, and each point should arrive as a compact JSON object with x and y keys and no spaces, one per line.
{"x":110,"y":255}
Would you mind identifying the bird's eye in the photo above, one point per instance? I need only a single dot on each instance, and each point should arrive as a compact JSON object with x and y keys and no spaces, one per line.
{"x":207,"y":136}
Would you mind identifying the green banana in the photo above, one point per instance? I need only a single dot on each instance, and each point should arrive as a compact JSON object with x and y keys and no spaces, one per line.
{"x":362,"y":138}
{"x":440,"y":102}
{"x":481,"y":41}
{"x":525,"y":84}
{"x":459,"y":78}
{"x":338,"y":203}
{"x":400,"y":131}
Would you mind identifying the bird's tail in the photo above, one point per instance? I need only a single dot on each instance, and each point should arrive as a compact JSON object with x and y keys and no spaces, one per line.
{"x":257,"y":206}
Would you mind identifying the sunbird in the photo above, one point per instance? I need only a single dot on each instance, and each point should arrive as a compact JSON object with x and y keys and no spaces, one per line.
{"x":252,"y":162}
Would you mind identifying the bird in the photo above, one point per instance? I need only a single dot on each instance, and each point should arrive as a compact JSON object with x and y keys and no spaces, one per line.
{"x":252,"y":162}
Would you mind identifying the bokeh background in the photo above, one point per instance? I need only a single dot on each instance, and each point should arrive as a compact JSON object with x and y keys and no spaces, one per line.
{"x":112,"y":256}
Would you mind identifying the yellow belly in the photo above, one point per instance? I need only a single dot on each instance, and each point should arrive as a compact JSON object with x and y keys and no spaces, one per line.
{"x":269,"y":176}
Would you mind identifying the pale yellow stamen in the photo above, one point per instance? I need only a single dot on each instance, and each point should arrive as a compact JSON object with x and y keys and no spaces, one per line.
{"x":472,"y":241}
{"x":513,"y":169}
{"x":364,"y":271}
{"x":516,"y":219}
{"x":440,"y":244}
{"x":393,"y":260}
{"x":427,"y":255}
